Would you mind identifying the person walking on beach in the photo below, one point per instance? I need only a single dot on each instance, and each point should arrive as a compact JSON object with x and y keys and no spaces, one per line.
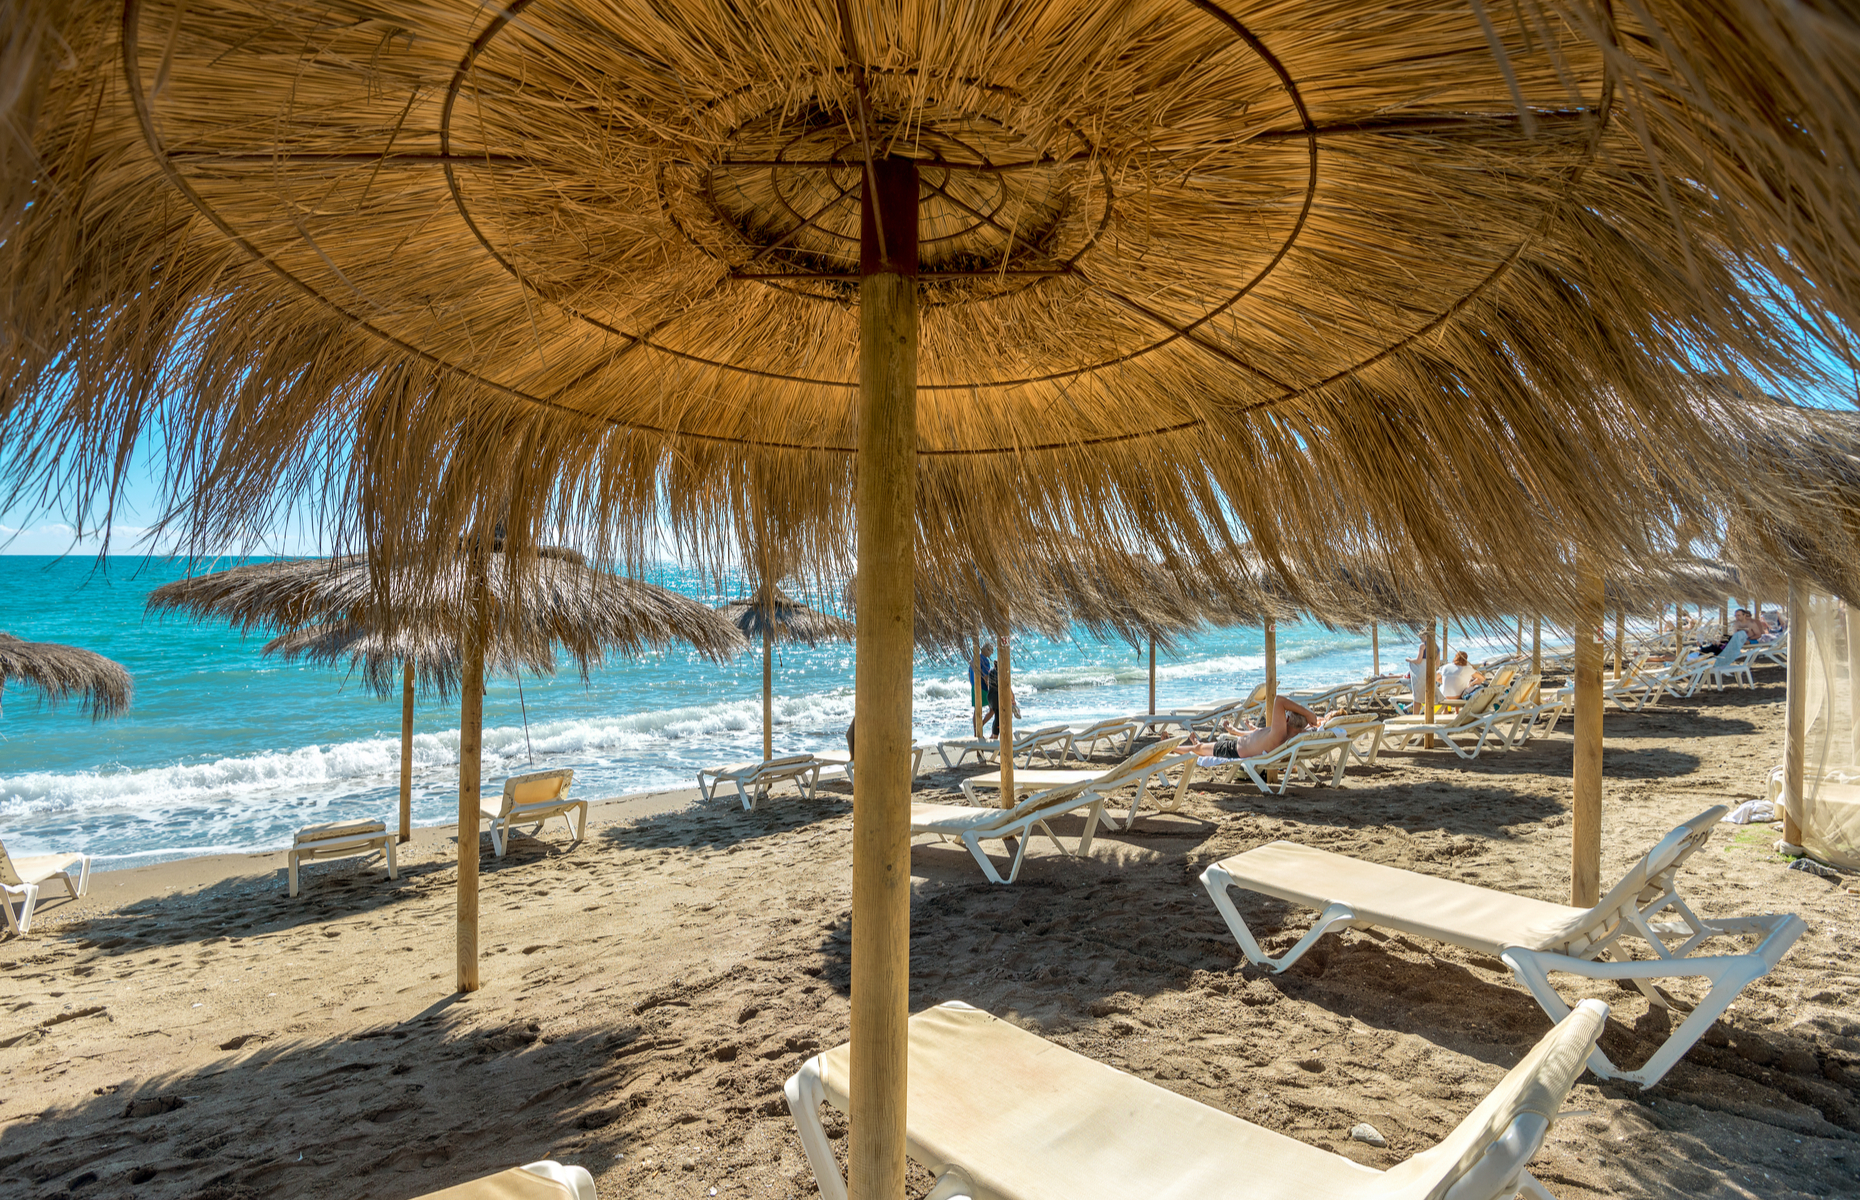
{"x":989,"y":683}
{"x":1288,"y":719}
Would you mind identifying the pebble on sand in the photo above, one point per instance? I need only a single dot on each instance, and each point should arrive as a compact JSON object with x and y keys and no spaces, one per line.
{"x":1368,"y":1133}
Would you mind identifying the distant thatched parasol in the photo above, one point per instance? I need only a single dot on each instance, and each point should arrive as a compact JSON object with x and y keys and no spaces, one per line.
{"x":1174,"y":268}
{"x":772,"y":615}
{"x":62,"y":672}
{"x":451,"y":627}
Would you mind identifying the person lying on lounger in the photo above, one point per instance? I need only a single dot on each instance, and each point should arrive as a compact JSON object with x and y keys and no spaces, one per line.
{"x":1289,"y":719}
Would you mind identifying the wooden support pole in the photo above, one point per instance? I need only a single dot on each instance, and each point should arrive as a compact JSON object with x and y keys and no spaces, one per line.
{"x":1795,"y":713}
{"x":768,"y":690}
{"x":1375,"y":650}
{"x":1430,"y":685}
{"x":471,"y":746}
{"x":1620,"y":639}
{"x":1152,"y":675}
{"x":886,"y":508}
{"x":1272,"y":664}
{"x":1537,"y":645}
{"x":1679,"y":631}
{"x":406,"y":751}
{"x":1004,"y":708}
{"x":1444,"y":656}
{"x":1585,"y":865}
{"x":1520,"y":647}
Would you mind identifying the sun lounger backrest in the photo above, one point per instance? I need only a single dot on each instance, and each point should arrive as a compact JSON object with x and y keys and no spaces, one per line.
{"x":536,"y":787}
{"x":8,"y":874}
{"x":1644,"y":882}
{"x":1538,"y":1084}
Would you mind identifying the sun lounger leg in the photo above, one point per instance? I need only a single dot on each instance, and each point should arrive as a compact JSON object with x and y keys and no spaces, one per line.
{"x":28,"y":895}
{"x":290,"y":870}
{"x":581,"y":825}
{"x":988,"y":867}
{"x":1218,"y":882}
{"x":805,"y":1095}
{"x":1530,"y":1189}
{"x":1728,"y":976}
{"x":393,"y":864}
{"x":748,"y":803}
{"x":498,"y":836}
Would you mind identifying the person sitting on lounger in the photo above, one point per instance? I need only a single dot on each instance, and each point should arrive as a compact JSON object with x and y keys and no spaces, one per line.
{"x":1458,"y":679}
{"x":1289,"y":719}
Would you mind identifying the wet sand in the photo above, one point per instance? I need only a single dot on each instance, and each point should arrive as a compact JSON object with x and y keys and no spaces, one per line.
{"x":188,"y":1031}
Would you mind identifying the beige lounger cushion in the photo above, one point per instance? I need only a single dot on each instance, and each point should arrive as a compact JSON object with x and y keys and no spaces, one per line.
{"x":1024,"y":1118}
{"x":338,"y":829}
{"x":514,"y":1184}
{"x":1058,"y":1124}
{"x":746,"y":768}
{"x":538,"y":788}
{"x":1461,"y":913}
{"x":40,"y":867}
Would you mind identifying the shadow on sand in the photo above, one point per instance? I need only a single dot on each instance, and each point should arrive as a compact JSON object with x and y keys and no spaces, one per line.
{"x":397,"y":1109}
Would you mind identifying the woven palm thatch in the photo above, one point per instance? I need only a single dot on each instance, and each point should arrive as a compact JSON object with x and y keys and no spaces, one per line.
{"x":331,"y":610}
{"x":60,"y":673}
{"x":1437,"y":279}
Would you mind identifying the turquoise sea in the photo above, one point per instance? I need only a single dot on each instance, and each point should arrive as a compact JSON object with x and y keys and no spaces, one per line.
{"x":225,"y":750}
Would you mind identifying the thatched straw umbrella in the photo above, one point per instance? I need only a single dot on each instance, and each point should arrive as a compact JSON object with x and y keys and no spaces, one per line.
{"x":60,"y":673}
{"x":451,"y":627}
{"x":607,"y":257}
{"x":771,"y":615}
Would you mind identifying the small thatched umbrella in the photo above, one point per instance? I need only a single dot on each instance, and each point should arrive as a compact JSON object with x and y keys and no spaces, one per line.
{"x":772,"y":615}
{"x":62,"y":672}
{"x":481,"y":613}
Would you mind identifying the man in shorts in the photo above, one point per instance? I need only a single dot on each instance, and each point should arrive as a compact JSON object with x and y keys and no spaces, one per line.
{"x":1287,"y":720}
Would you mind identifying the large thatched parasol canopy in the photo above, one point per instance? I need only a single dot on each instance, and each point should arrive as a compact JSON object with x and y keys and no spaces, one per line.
{"x":1184,"y":264}
{"x":62,"y":673}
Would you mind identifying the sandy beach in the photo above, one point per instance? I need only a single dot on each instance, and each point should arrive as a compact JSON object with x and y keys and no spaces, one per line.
{"x":188,"y":1031}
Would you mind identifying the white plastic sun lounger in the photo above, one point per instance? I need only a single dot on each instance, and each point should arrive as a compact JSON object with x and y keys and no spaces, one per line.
{"x":1025,"y":746}
{"x":1364,"y":734}
{"x":1534,"y":937}
{"x":339,"y":839}
{"x":754,"y":780}
{"x":533,"y":1181}
{"x":1027,"y":782}
{"x":1084,"y":742}
{"x":536,"y":797}
{"x":1292,"y":761}
{"x":1401,"y":732}
{"x":997,"y":1113}
{"x":1015,"y":826}
{"x":22,"y":878}
{"x":843,"y":763}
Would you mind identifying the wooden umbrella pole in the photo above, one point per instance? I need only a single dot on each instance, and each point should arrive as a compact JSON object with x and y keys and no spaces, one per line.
{"x":1272,"y":665}
{"x":1537,"y":645}
{"x":1795,"y":713}
{"x":1432,"y":657}
{"x":1152,"y":675}
{"x":1004,"y":719}
{"x":1443,"y":640}
{"x":1679,"y":631}
{"x":886,"y":506}
{"x":1620,"y":639}
{"x":1520,"y":647}
{"x":471,"y":745}
{"x":406,"y":751}
{"x":768,"y":690}
{"x":1585,"y":865}
{"x":1375,"y":650}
